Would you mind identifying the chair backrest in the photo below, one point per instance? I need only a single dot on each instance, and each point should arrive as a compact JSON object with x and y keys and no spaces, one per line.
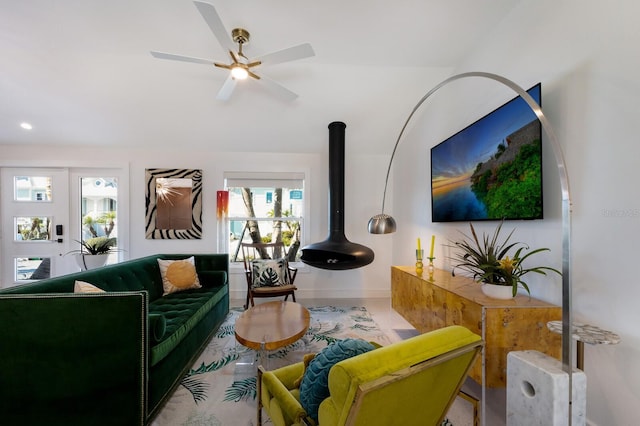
{"x":251,"y":251}
{"x":412,"y":382}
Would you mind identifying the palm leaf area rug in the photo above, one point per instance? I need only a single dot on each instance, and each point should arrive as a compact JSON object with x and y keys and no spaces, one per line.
{"x":220,"y":389}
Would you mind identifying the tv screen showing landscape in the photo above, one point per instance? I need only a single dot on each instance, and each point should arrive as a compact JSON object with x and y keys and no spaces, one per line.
{"x":492,"y":169}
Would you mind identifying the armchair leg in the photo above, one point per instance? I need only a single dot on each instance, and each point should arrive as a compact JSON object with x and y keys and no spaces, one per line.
{"x":259,"y":394}
{"x":474,"y":402}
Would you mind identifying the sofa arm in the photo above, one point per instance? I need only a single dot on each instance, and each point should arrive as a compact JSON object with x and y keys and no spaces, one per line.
{"x":73,"y":358}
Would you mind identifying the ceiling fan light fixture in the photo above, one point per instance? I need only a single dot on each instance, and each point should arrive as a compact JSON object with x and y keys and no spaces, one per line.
{"x":241,"y":67}
{"x":239,"y":72}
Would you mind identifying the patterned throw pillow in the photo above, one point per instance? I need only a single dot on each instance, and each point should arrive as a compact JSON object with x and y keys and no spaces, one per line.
{"x":178,"y":275}
{"x":314,"y":387}
{"x":269,"y":273}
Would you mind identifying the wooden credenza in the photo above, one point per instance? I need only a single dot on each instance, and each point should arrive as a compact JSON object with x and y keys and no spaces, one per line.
{"x":505,"y":325}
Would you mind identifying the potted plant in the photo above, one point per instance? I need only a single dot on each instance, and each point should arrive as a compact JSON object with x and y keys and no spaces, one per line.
{"x":488,"y":261}
{"x":93,"y":252}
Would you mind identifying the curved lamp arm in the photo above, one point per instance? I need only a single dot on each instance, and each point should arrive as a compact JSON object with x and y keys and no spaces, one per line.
{"x":384,"y":224}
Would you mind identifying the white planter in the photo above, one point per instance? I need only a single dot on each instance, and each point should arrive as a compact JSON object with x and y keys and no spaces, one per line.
{"x":91,"y":261}
{"x":497,"y":291}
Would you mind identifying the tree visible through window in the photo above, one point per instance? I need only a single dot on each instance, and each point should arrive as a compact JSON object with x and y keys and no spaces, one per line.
{"x":265,"y":208}
{"x":99,"y":197}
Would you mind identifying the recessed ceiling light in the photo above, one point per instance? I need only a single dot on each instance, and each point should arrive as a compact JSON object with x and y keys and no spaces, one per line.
{"x":26,"y":126}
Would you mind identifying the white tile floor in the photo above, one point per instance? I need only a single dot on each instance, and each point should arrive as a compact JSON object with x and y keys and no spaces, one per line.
{"x":397,"y":328}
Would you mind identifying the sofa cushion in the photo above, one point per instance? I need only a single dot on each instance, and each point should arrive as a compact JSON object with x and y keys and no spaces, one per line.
{"x":182,"y":311}
{"x":314,"y":387}
{"x":178,"y":275}
{"x":269,"y":273}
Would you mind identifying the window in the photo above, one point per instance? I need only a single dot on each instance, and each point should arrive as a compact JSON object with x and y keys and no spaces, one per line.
{"x":32,"y":228}
{"x":32,"y":188}
{"x":265,"y":207}
{"x":98,"y":206}
{"x":99,"y":211}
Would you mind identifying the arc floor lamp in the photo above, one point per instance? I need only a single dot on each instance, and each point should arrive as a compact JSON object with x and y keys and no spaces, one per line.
{"x":384,"y":224}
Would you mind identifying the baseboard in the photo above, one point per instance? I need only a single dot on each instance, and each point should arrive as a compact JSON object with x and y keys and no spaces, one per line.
{"x":327,"y":294}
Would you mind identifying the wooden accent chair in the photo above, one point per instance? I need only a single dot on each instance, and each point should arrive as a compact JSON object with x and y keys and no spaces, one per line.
{"x":411,"y":382}
{"x":267,"y":271}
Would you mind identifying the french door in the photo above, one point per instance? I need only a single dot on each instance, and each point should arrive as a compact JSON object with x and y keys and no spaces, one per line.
{"x":35,"y":224}
{"x":45,"y":212}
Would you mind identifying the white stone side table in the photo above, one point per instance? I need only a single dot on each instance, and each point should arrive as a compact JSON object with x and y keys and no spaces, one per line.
{"x":585,"y":333}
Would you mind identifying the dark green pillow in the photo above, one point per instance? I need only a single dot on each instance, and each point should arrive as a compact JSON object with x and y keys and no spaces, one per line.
{"x":314,"y":387}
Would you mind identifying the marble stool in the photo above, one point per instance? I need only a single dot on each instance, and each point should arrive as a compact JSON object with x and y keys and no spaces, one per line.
{"x":538,"y":391}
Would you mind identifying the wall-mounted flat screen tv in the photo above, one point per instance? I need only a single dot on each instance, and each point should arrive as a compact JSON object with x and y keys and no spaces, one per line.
{"x":492,"y":169}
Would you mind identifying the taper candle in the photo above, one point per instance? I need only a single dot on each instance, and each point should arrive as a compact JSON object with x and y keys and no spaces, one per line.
{"x":433,"y":241}
{"x":419,"y":248}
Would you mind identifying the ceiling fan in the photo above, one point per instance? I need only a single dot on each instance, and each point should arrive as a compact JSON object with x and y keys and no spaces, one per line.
{"x":241,"y":67}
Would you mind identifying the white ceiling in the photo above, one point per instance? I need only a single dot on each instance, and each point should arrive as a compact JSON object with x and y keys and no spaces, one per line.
{"x":80,"y":70}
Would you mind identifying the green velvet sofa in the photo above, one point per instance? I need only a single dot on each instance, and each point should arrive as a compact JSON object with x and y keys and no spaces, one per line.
{"x":109,"y":358}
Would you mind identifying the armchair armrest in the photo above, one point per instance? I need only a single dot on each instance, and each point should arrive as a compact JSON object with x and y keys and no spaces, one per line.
{"x":278,"y":385}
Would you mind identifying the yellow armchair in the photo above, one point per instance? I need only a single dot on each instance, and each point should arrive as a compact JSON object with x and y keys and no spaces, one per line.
{"x":412,"y":382}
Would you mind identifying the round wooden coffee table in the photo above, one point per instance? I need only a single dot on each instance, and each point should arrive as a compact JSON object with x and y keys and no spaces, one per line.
{"x":272,"y":325}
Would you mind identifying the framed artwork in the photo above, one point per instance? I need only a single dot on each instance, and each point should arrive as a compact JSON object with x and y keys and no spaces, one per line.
{"x":173,"y":204}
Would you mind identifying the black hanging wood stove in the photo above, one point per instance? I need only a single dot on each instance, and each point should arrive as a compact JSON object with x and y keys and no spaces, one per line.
{"x":336,"y":252}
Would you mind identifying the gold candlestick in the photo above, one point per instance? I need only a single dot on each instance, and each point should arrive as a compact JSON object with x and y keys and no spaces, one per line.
{"x":430,"y":267}
{"x":419,"y":265}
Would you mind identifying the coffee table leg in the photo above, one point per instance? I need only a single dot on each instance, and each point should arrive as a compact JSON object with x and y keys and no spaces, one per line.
{"x":246,"y":359}
{"x":263,"y":354}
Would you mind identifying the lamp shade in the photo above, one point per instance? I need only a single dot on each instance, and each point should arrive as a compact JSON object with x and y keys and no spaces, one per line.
{"x":382,"y":224}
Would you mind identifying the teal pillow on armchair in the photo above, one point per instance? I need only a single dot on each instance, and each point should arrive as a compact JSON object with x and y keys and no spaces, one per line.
{"x":314,"y":387}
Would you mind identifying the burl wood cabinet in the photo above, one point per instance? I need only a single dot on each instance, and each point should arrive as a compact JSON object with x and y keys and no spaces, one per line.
{"x":505,"y":325}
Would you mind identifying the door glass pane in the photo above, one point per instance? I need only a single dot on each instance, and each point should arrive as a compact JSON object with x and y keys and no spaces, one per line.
{"x":32,"y":268}
{"x":32,"y":228}
{"x":32,"y":188}
{"x":99,"y":206}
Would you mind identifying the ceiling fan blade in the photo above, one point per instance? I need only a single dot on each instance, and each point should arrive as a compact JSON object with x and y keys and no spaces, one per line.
{"x":290,"y":54}
{"x":227,"y":89}
{"x":174,"y":57}
{"x":277,"y":88}
{"x":214,"y":22}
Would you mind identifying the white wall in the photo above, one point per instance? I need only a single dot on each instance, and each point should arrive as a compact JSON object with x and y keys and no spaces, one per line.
{"x":585,"y":55}
{"x":360,"y":204}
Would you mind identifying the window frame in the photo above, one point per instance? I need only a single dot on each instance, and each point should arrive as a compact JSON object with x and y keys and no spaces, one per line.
{"x":266,"y":180}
